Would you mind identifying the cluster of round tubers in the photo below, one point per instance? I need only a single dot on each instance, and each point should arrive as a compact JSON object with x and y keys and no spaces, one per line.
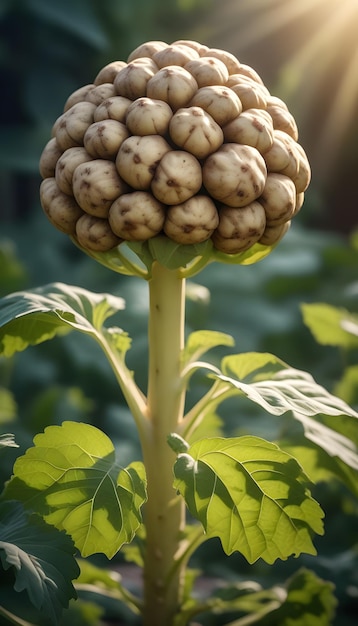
{"x":181,"y":140}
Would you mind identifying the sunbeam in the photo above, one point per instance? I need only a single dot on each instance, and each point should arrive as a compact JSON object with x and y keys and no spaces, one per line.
{"x":310,"y":50}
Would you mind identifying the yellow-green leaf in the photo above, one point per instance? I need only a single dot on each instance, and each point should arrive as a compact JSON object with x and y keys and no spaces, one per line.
{"x":331,"y":326}
{"x":201,"y":341}
{"x":71,"y":478}
{"x":251,"y":495}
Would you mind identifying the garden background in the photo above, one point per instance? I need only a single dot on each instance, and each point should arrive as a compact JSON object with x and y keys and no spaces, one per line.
{"x":307,"y":54}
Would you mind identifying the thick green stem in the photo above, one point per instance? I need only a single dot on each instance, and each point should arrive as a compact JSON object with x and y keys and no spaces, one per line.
{"x":164,"y":511}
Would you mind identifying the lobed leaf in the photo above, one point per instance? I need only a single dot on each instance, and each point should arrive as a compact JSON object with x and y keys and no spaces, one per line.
{"x":251,"y":495}
{"x":31,"y":317}
{"x":71,"y":478}
{"x":41,"y":558}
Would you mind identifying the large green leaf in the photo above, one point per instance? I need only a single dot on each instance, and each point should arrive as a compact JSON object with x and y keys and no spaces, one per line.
{"x":41,"y":559}
{"x":328,"y":422}
{"x":277,"y":387}
{"x":71,"y":478}
{"x":251,"y":495}
{"x":31,"y":317}
{"x":331,"y":326}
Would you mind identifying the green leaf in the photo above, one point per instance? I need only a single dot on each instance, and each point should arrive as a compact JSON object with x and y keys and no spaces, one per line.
{"x":167,"y":252}
{"x":189,"y":259}
{"x":309,"y":601}
{"x":121,"y":259}
{"x":319,"y":465}
{"x":99,"y":580}
{"x":201,"y":341}
{"x":173,"y":255}
{"x":13,"y":273}
{"x":247,"y":597}
{"x":273,"y":385}
{"x":347,"y":387}
{"x":329,"y":448}
{"x":251,"y":495}
{"x":331,"y":438}
{"x":304,"y":600}
{"x":210,"y":425}
{"x":253,"y":366}
{"x":277,"y":387}
{"x":84,"y":613}
{"x":331,"y":326}
{"x":41,"y":558}
{"x":134,"y":552}
{"x":118,"y":339}
{"x":71,"y":478}
{"x":31,"y":317}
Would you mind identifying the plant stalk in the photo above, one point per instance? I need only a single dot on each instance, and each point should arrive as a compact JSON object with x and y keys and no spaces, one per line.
{"x":164,"y":514}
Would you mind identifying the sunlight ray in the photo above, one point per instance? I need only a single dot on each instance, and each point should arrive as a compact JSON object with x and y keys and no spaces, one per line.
{"x":340,"y":113}
{"x":276,"y":18}
{"x":320,"y":46}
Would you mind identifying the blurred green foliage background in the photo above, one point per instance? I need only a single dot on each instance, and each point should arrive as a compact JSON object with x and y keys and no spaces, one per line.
{"x":50,"y":48}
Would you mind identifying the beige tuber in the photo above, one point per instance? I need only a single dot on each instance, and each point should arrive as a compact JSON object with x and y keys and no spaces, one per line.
{"x":181,"y":141}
